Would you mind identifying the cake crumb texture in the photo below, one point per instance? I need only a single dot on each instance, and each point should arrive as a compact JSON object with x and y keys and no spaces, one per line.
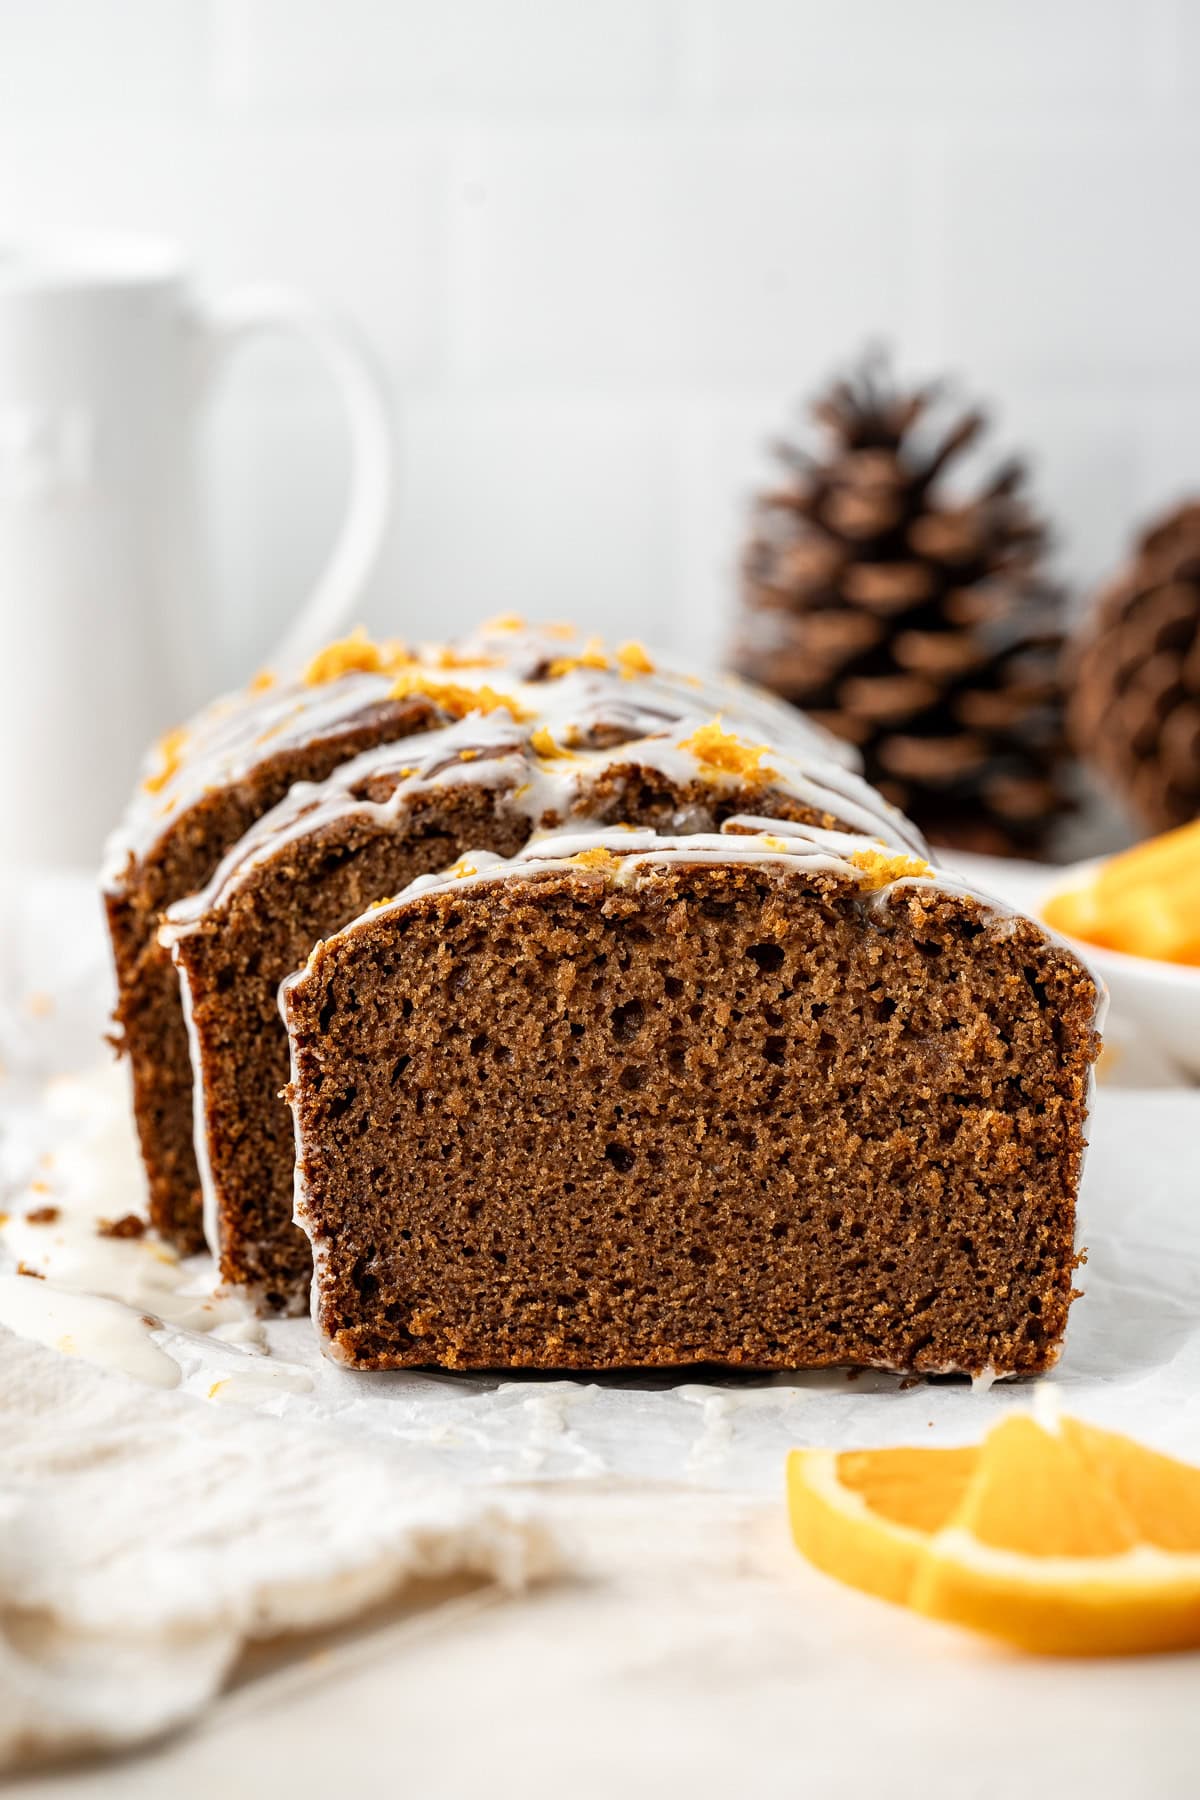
{"x":733,"y":1113}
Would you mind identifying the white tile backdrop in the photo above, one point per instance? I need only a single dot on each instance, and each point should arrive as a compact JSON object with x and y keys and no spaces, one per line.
{"x":602,"y":246}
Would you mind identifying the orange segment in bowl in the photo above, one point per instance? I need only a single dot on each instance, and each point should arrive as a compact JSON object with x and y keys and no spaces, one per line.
{"x":1145,"y":902}
{"x":1067,"y":1541}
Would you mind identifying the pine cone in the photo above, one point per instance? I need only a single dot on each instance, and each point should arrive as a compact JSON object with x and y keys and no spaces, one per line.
{"x":1135,"y":707}
{"x":915,"y":625}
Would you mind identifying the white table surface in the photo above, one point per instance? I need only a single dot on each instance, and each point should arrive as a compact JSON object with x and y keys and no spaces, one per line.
{"x":689,"y":1655}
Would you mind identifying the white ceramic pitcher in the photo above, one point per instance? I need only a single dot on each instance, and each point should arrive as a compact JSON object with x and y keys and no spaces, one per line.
{"x":106,"y":358}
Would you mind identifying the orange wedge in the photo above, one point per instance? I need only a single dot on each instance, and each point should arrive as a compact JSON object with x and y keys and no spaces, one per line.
{"x":1059,"y":1539}
{"x":1145,"y":902}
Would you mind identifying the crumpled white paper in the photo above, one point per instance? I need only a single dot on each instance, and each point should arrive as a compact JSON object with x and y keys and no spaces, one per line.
{"x":282,"y":1462}
{"x":145,"y":1538}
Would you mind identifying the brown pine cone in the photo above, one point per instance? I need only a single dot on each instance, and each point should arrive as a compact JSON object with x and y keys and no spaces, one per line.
{"x":1134,"y":711}
{"x":914,"y":623}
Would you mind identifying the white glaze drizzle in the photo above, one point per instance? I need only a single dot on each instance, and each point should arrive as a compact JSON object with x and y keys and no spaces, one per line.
{"x":659,"y":716}
{"x":210,"y":1204}
{"x":249,"y":1387}
{"x":77,"y":1324}
{"x":55,"y":1232}
{"x":637,"y":852}
{"x":242,"y":731}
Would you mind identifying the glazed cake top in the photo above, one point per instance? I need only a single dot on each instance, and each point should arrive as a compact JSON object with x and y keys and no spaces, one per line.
{"x":620,"y":856}
{"x":552,"y":743}
{"x":623,"y":856}
{"x":506,"y":668}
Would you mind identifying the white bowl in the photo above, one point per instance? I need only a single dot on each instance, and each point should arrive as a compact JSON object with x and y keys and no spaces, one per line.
{"x":1162,"y":999}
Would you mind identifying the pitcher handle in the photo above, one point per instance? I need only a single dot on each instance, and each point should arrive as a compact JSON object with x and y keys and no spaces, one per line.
{"x":228,"y":323}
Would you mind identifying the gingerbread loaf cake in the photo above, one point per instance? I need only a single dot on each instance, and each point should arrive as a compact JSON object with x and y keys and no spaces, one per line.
{"x":773,"y":1096}
{"x":579,"y":741}
{"x":206,"y":784}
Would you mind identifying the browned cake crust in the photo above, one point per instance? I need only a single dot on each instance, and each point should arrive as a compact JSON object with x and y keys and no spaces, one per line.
{"x":235,"y":956}
{"x":148,"y":1018}
{"x":722,"y":1111}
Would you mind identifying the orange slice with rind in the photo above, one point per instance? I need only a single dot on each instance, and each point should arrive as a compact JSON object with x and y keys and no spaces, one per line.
{"x":866,"y":1516}
{"x":1059,"y":1539}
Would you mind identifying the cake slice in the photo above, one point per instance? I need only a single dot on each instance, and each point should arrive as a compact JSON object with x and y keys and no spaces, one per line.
{"x":202,"y":787}
{"x":774,"y":1097}
{"x":577,"y":745}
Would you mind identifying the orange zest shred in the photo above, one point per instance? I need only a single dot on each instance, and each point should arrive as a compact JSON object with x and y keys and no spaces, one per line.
{"x":599,"y":858}
{"x":458,"y":701}
{"x":715,"y":748}
{"x":880,"y":868}
{"x":592,"y":656}
{"x":355,"y":655}
{"x":632,"y":660}
{"x":265,"y":679}
{"x":447,"y":657}
{"x":170,"y":748}
{"x":542,"y":744}
{"x":503,"y":622}
{"x":468,"y":756}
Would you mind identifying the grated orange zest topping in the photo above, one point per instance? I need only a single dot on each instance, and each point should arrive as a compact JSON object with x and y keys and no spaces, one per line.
{"x":265,"y":679}
{"x":542,"y":744}
{"x":592,"y":656}
{"x":632,"y":660}
{"x":456,"y":700}
{"x":447,"y":657}
{"x":170,"y":748}
{"x":355,"y":655}
{"x":881,"y":869}
{"x":504,"y":622}
{"x":599,"y":858}
{"x":468,"y":756}
{"x":716,"y":748}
